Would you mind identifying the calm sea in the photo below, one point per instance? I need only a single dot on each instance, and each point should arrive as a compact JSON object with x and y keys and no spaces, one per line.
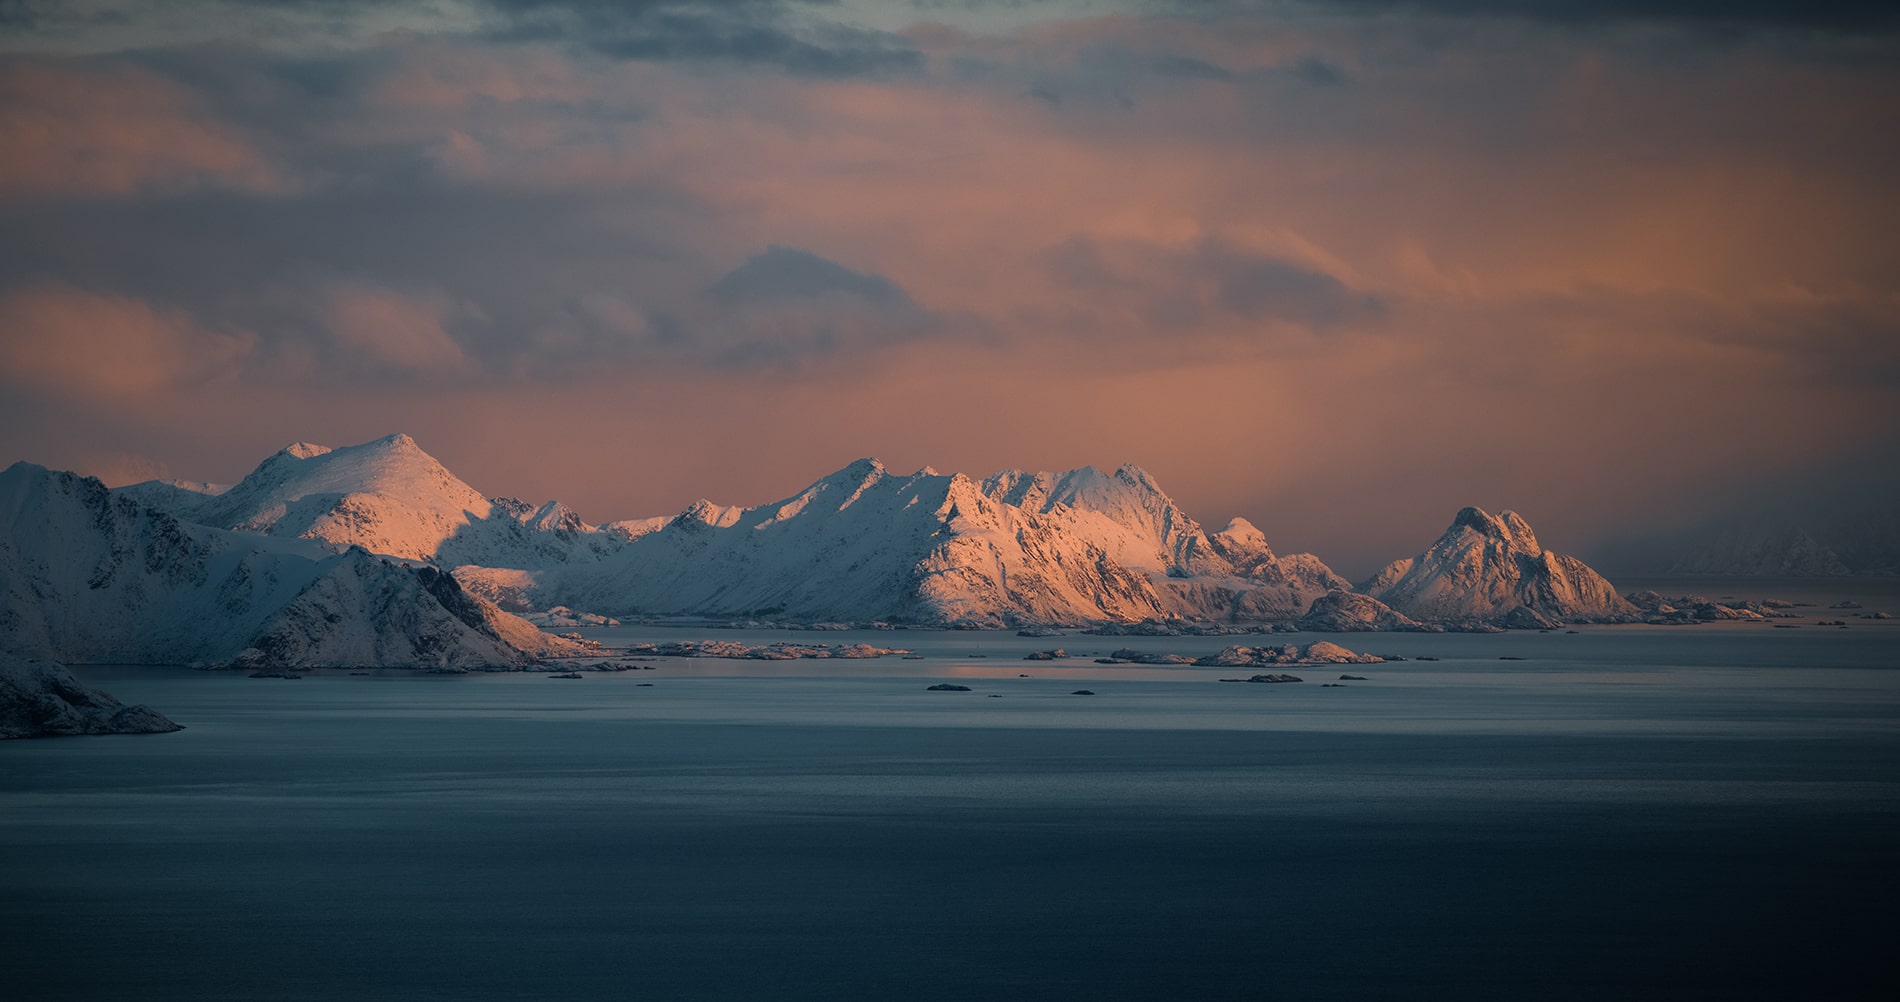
{"x":1708,"y":812}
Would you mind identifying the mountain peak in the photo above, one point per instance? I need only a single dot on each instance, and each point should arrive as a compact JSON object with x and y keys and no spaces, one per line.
{"x":1486,"y":566}
{"x":1506,"y":526}
{"x":1477,"y":520}
{"x":1241,"y":528}
{"x":1131,"y":474}
{"x":388,"y":495}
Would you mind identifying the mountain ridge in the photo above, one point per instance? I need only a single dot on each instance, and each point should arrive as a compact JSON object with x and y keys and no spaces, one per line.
{"x":864,"y":543}
{"x":87,"y":575}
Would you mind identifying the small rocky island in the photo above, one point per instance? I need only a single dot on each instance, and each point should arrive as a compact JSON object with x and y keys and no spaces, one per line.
{"x":1238,"y":656}
{"x":41,"y":699}
{"x":780,"y":651}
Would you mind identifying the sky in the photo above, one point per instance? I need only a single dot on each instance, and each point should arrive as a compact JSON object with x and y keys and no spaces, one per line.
{"x":1340,"y":267}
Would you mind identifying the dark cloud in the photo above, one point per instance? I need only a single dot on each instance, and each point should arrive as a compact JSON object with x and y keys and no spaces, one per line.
{"x":1187,"y":67}
{"x":786,"y":306}
{"x":1819,"y":15}
{"x":787,"y":273}
{"x":761,"y":32}
{"x":1201,"y":285}
{"x":1320,"y":73}
{"x":1263,"y":287}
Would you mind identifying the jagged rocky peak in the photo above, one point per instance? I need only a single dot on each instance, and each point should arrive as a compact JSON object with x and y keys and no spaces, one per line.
{"x":309,"y":450}
{"x":852,"y":481}
{"x":1241,"y":544}
{"x":1483,"y":568}
{"x":1505,"y":525}
{"x":1128,"y":489}
{"x":703,"y":513}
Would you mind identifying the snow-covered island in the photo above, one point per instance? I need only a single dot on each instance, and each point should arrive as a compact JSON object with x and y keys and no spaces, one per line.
{"x":89,"y":575}
{"x":375,"y":555}
{"x":1080,"y":548}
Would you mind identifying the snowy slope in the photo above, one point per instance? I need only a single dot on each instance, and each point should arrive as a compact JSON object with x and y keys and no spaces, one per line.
{"x":388,"y":497}
{"x":1228,"y":575}
{"x":867,"y":544}
{"x":177,"y":497}
{"x":863,"y":543}
{"x":90,"y":576}
{"x":1484,"y":567}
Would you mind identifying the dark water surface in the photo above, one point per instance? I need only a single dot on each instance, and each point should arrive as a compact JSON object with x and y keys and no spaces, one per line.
{"x":1705,"y":813}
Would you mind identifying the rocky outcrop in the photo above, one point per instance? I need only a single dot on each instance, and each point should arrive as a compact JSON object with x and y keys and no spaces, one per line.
{"x":1658,"y":610}
{"x":1321,"y":653}
{"x":42,"y":699}
{"x":780,"y":651}
{"x":1485,"y":567}
{"x":1349,"y":612}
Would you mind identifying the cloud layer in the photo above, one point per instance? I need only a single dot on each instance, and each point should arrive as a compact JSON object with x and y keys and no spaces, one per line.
{"x":1340,"y":267}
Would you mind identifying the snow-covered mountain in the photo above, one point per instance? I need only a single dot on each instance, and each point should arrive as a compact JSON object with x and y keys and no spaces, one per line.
{"x":388,"y":497}
{"x":177,"y":497}
{"x":90,"y":576}
{"x":1757,"y":550}
{"x":1485,"y":567}
{"x":1227,"y":575}
{"x":868,"y":544}
{"x":863,"y":543}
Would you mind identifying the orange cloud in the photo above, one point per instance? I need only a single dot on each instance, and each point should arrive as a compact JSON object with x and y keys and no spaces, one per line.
{"x":115,"y":130}
{"x":61,"y":340}
{"x":397,"y":332}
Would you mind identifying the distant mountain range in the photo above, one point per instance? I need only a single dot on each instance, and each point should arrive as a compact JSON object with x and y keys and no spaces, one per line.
{"x":1766,"y":544}
{"x":868,"y":544}
{"x":1834,"y":518}
{"x":376,"y":555}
